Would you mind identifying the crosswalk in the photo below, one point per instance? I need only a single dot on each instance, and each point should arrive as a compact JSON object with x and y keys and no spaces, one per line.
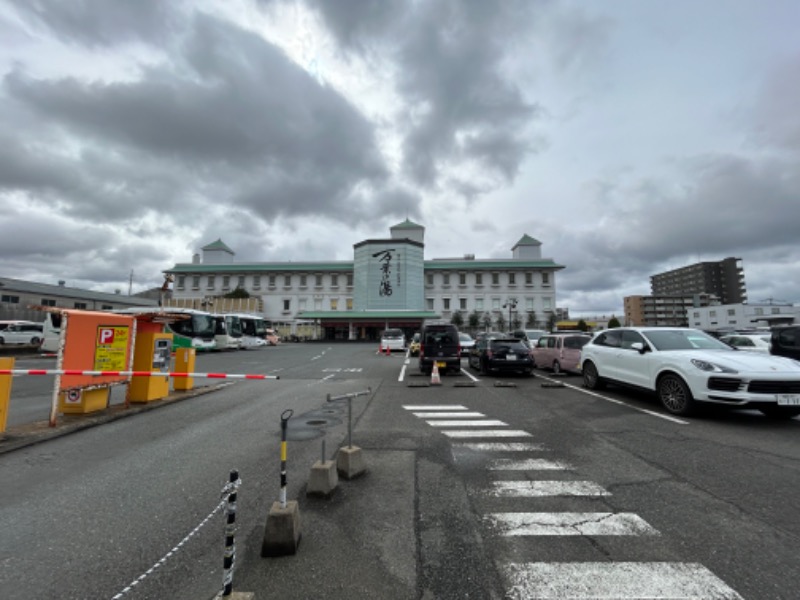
{"x":472,"y":430}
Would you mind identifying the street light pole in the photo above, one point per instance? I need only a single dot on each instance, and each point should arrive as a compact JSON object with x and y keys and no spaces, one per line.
{"x":511,"y":303}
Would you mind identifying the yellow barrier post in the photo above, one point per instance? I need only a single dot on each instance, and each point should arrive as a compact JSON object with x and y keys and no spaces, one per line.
{"x":184,"y":363}
{"x":5,"y":392}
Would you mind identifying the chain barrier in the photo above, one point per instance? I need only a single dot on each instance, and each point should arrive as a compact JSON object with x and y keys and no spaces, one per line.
{"x":228,"y":490}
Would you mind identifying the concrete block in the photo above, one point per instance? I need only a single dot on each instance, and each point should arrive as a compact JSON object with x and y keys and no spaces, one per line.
{"x":323,"y":479}
{"x":282,"y":533}
{"x":350,"y":462}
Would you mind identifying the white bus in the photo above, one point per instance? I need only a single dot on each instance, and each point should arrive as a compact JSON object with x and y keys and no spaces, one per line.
{"x":228,"y":332}
{"x":198,"y":331}
{"x":254,"y":330}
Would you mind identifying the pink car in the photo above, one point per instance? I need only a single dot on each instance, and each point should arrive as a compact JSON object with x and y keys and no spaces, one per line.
{"x":559,"y":351}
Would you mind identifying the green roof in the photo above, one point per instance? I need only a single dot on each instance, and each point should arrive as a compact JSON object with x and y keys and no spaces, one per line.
{"x":368,"y":314}
{"x":527,"y":240}
{"x":407,"y":225}
{"x":347,"y":266}
{"x":218,"y":245}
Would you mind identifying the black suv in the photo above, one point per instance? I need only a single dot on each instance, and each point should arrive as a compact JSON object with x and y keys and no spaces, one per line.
{"x":785,"y":341}
{"x":501,"y":354}
{"x":439,"y":343}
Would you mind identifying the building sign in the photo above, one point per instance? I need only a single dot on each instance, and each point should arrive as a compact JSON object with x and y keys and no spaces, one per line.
{"x":385,"y":266}
{"x":111,"y":347}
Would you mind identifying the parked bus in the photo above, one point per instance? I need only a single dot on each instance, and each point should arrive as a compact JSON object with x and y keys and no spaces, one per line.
{"x":228,"y":332}
{"x":198,"y":331}
{"x":51,"y":332}
{"x":254,"y":330}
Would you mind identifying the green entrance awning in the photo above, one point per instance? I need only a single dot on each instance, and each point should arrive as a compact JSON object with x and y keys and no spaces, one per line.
{"x":368,"y":315}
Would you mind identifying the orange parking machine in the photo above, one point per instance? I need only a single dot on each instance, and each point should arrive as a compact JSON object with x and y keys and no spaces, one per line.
{"x":93,"y":341}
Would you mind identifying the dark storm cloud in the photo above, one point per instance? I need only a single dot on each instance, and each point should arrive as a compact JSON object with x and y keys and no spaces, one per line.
{"x":237,"y":117}
{"x":102,"y":22}
{"x":450,"y":56}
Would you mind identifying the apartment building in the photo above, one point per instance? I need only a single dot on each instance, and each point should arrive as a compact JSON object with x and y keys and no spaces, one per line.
{"x":388,"y":283}
{"x":724,"y":279}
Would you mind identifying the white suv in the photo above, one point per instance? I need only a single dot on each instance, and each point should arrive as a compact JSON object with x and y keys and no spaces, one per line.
{"x":22,"y":333}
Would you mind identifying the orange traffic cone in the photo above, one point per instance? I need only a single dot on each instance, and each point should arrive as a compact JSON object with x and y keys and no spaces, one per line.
{"x":388,"y":351}
{"x":435,"y":380}
{"x":380,"y":349}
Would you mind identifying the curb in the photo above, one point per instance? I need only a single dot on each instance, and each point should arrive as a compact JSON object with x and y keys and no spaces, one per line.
{"x":22,"y":436}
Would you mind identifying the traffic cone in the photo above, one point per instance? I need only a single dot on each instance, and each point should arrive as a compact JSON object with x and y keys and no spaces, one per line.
{"x":388,"y":351}
{"x":435,"y":379}
{"x":380,"y":349}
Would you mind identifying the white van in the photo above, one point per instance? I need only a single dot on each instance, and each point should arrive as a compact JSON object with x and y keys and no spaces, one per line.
{"x":51,"y":332}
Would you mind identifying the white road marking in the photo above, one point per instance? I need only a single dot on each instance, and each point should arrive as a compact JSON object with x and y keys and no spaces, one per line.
{"x":480,"y":423}
{"x":434,"y":407}
{"x":470,"y":375}
{"x":499,"y":446}
{"x":402,"y":372}
{"x":486,"y":433}
{"x":535,"y":489}
{"x":529,"y":464}
{"x":584,"y":580}
{"x":448,"y":415}
{"x":554,"y":523}
{"x":615,"y":401}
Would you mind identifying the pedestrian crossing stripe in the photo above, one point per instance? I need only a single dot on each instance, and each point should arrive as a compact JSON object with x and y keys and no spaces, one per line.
{"x":480,"y":423}
{"x":498,"y":446}
{"x":434,"y":407}
{"x":528,"y":464}
{"x":569,"y":523}
{"x":486,"y":433}
{"x":448,"y":415}
{"x":536,"y":489}
{"x":620,"y":580}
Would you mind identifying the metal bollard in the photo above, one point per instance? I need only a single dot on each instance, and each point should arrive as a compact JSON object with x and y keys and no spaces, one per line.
{"x":285,"y":416}
{"x":349,"y":398}
{"x":230,"y":531}
{"x":349,"y":460}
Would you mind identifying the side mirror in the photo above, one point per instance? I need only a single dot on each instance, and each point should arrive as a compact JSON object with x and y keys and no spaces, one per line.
{"x":639,"y":347}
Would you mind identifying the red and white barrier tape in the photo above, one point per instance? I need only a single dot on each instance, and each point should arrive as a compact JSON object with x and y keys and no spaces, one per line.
{"x":133,"y":374}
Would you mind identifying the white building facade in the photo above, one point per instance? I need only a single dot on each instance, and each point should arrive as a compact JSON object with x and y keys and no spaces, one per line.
{"x":387,"y":284}
{"x":731,"y":317}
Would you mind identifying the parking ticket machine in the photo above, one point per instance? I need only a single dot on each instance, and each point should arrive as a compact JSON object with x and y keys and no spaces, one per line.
{"x":152,"y":352}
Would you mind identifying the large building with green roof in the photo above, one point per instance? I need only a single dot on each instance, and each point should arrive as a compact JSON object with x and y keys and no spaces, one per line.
{"x":388,"y":283}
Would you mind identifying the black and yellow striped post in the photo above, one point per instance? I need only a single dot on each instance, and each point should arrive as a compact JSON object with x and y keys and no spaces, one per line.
{"x":229,"y":558}
{"x":282,"y":532}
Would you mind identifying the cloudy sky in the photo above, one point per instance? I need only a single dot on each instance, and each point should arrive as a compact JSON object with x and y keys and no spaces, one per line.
{"x":629,"y":137}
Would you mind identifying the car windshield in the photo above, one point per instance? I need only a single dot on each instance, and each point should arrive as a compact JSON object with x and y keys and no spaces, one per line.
{"x":683,"y":339}
{"x":464,"y":337}
{"x":393,"y":333}
{"x":499,"y":345}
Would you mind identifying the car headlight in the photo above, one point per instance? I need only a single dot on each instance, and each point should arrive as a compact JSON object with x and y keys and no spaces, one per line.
{"x":704,"y":365}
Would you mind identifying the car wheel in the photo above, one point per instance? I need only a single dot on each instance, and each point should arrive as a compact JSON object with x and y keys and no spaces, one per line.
{"x":591,"y":378}
{"x":556,"y":367}
{"x":35,"y":341}
{"x":675,"y":395}
{"x":779,"y":412}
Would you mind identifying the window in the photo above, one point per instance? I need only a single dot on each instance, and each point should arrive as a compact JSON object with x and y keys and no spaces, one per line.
{"x":196,"y":282}
{"x":301,"y":303}
{"x":334,"y":304}
{"x":211,"y":282}
{"x":80,"y":305}
{"x":759,"y":311}
{"x":495,"y":303}
{"x":462,"y":304}
{"x":429,"y":278}
{"x":446,"y":302}
{"x":48,"y":302}
{"x":529,"y":304}
{"x":446,"y":279}
{"x":712,"y":313}
{"x":240,"y":282}
{"x":303,"y":281}
{"x":478,"y":278}
{"x":10,"y":299}
{"x":696,"y":313}
{"x":106,"y":307}
{"x":287,"y":281}
{"x":272,"y":281}
{"x":495,"y":278}
{"x":287,"y":305}
{"x":349,"y":280}
{"x":512,"y":279}
{"x":226,"y":282}
{"x":547,"y":303}
{"x":528,"y":278}
{"x":545,"y":278}
{"x":181,"y":282}
{"x":256,"y":282}
{"x":334,"y":281}
{"x":317,"y":303}
{"x":318,"y":280}
{"x":479,"y":304}
{"x":349,"y":304}
{"x":776,"y":311}
{"x":462,"y":279}
{"x":429,"y":303}
{"x":731,"y":312}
